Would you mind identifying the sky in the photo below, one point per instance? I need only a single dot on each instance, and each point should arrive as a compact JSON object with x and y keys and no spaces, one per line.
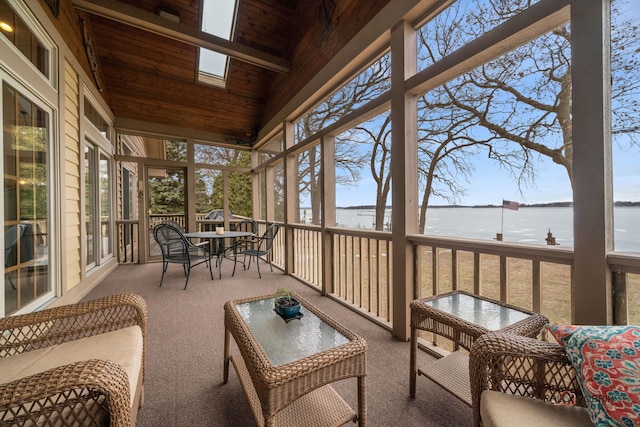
{"x":489,"y":185}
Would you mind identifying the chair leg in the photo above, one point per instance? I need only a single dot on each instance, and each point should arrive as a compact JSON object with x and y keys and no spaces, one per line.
{"x":258,"y":264}
{"x":210,"y":272}
{"x":188,"y":273}
{"x":164,"y":268}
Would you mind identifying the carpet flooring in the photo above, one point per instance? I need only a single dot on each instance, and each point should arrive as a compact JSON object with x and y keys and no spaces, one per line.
{"x":185,"y":345}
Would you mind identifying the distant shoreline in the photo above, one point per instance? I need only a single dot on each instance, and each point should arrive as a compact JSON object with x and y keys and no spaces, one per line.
{"x":522,"y":205}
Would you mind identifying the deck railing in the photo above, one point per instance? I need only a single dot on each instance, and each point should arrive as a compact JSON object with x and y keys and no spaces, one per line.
{"x":538,"y":278}
{"x":307,"y":253}
{"x":362,"y":273}
{"x":626,"y":288}
{"x":128,"y":248}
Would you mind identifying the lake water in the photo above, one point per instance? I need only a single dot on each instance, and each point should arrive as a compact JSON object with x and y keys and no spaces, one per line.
{"x":526,"y":225}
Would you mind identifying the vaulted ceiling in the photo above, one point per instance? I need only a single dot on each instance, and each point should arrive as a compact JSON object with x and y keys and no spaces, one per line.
{"x":147,"y":65}
{"x":150,"y":77}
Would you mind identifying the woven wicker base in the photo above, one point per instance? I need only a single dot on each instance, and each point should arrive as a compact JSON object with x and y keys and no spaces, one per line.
{"x":451,"y":373}
{"x":322,"y":407}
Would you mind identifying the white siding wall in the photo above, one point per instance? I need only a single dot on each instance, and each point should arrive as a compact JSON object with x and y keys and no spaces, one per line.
{"x":72,"y":187}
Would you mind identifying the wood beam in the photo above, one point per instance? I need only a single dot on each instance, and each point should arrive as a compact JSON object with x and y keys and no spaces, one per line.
{"x":135,"y":17}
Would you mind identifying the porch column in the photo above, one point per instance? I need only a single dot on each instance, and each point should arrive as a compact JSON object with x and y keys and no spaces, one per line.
{"x":404,"y":172}
{"x":328,"y":212}
{"x":255,"y":186}
{"x":592,"y":175}
{"x":290,"y":197}
{"x":190,"y":187}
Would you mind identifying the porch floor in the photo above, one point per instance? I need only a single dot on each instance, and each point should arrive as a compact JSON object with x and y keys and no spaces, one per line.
{"x":183,"y":381}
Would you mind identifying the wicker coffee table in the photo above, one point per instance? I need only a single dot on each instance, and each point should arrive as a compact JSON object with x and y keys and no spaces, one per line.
{"x":286,"y":368}
{"x":463,"y":317}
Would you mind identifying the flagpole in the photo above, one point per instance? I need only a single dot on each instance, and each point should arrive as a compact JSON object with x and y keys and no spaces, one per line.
{"x":502,"y":221}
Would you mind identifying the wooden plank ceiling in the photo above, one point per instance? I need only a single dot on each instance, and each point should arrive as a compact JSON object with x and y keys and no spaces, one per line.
{"x":152,"y":78}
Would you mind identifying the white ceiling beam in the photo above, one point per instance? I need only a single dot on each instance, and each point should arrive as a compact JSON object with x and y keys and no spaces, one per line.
{"x":135,"y":17}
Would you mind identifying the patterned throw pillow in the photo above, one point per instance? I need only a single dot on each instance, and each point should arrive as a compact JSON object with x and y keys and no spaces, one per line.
{"x":607,"y":360}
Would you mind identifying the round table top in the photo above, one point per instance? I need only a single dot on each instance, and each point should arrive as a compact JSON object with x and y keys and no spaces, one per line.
{"x":214,"y":235}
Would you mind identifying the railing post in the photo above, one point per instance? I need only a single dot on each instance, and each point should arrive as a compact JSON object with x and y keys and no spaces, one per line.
{"x":536,"y":282}
{"x":477,"y":273}
{"x":504,"y":285}
{"x":454,"y":270}
{"x":620,"y":304}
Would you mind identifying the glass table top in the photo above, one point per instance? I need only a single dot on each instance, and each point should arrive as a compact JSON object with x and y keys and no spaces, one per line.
{"x":286,"y":342}
{"x":486,"y":314}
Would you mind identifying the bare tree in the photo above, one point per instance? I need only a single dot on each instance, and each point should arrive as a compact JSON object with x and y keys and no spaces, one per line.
{"x":349,"y":155}
{"x":515,"y":108}
{"x":378,"y":137}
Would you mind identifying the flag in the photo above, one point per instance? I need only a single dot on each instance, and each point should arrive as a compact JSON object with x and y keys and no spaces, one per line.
{"x":514,"y":206}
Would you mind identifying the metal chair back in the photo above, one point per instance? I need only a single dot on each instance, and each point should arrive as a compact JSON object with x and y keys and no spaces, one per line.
{"x":177,"y":249}
{"x":247,"y":225}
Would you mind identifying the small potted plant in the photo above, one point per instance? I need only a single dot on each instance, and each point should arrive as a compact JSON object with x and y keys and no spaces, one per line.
{"x":285,"y":304}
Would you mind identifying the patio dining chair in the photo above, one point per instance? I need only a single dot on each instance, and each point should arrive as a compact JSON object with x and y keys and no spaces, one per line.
{"x":177,"y":249}
{"x":255,"y":248}
{"x":247,"y":225}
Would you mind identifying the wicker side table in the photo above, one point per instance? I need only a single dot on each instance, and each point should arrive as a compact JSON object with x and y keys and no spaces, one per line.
{"x":463,"y":317}
{"x":287,"y":380}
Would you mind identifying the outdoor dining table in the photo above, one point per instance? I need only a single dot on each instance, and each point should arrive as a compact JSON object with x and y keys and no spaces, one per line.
{"x":216,"y":242}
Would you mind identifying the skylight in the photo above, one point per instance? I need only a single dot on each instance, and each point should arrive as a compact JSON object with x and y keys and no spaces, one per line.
{"x":218,"y":18}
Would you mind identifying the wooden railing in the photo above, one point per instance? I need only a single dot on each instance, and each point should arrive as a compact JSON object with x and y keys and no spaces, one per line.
{"x":307,"y":254}
{"x":362,"y":273}
{"x":626,"y":288}
{"x":537,"y":278}
{"x":128,"y":248}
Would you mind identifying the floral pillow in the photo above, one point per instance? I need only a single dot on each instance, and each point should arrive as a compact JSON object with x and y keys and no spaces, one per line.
{"x":607,"y":360}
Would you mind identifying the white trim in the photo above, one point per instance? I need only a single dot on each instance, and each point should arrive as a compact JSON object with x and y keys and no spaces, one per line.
{"x":39,"y":32}
{"x":53,"y":247}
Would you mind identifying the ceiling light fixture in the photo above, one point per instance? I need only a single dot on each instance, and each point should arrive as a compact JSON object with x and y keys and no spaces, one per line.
{"x":4,"y":26}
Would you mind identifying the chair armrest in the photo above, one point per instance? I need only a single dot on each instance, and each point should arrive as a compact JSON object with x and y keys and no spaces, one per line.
{"x":77,"y":389}
{"x":522,"y":366}
{"x":52,"y":326}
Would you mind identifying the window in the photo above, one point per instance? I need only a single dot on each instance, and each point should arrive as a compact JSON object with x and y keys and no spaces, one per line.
{"x":499,"y":131}
{"x":363,"y":175}
{"x":372,"y":82}
{"x":460,"y":23}
{"x":625,"y":104}
{"x":218,"y":18}
{"x":97,"y":178}
{"x":26,"y":36}
{"x":92,"y":114}
{"x":25,"y":145}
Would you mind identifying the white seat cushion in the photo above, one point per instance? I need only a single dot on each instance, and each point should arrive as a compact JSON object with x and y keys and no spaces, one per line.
{"x":123,"y":346}
{"x":502,"y":409}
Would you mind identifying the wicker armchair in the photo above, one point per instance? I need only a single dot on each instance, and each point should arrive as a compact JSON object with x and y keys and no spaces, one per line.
{"x":529,"y":375}
{"x":73,"y":365}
